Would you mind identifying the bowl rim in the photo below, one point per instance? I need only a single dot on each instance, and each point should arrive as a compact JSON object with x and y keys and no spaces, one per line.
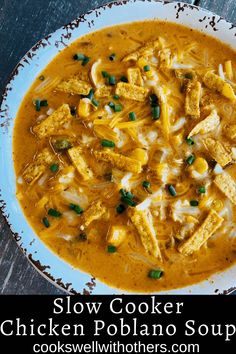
{"x":90,"y":285}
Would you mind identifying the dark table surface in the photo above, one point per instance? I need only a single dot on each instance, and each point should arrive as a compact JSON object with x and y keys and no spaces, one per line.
{"x":22,"y":24}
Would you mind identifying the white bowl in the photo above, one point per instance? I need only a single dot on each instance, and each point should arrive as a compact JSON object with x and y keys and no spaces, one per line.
{"x":50,"y":265}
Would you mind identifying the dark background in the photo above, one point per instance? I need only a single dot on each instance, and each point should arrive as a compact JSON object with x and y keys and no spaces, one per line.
{"x":22,"y":24}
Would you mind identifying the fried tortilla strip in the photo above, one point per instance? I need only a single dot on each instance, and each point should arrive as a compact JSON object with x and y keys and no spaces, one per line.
{"x":142,"y":221}
{"x":230,"y":131}
{"x":219,"y":152}
{"x":146,"y":50}
{"x":192,"y":100}
{"x":134,"y":76}
{"x":41,"y":162}
{"x":131,"y":92}
{"x":165,"y":58}
{"x":52,"y":124}
{"x":215,"y":82}
{"x":94,"y":212}
{"x":103,"y":91}
{"x":74,"y":86}
{"x":122,"y":162}
{"x":212,"y":222}
{"x":227,"y":186}
{"x":207,"y":125}
{"x":80,"y":163}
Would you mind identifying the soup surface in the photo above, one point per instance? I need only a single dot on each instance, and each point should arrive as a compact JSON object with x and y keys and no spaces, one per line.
{"x":124,"y":156}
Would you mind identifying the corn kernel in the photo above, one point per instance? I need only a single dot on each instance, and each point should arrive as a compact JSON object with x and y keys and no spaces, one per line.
{"x":84,"y":108}
{"x":140,"y":155}
{"x":142,"y":62}
{"x":160,"y":170}
{"x":116,"y":235}
{"x":228,"y":91}
{"x":200,"y":165}
{"x":42,"y":202}
{"x":217,"y":205}
{"x":149,"y":74}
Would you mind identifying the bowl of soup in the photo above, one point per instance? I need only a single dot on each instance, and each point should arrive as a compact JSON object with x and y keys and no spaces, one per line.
{"x":118,"y":150}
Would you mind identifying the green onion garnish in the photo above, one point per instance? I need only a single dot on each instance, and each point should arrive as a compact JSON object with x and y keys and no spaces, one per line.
{"x":44,"y":103}
{"x":107,"y":143}
{"x":76,"y":208}
{"x":116,"y":97}
{"x":188,"y":76}
{"x":112,"y":80}
{"x":91,"y":94}
{"x":128,"y":201}
{"x":37,"y":105}
{"x":120,"y":208}
{"x":82,"y":236}
{"x":153,"y":100}
{"x":112,"y":56}
{"x":46,"y":222}
{"x":127,"y":197}
{"x":146,"y":184}
{"x":42,"y":78}
{"x":55,"y":213}
{"x":105,"y":74}
{"x":202,"y":190}
{"x":95,"y":102}
{"x":85,"y":60}
{"x":54,"y":167}
{"x":194,"y":203}
{"x":79,"y":57}
{"x":146,"y":68}
{"x":156,"y":112}
{"x":117,"y":108}
{"x":155,"y":273}
{"x":189,"y":141}
{"x":111,"y":249}
{"x":132,"y":116}
{"x":172,"y":190}
{"x":190,"y":160}
{"x":123,"y":78}
{"x":111,"y":104}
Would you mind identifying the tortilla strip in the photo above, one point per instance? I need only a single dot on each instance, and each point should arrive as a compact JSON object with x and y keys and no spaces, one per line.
{"x":192,"y":100}
{"x":134,"y":76}
{"x":131,"y":92}
{"x":94,"y":212}
{"x":74,"y":86}
{"x":52,"y":124}
{"x":207,"y":125}
{"x":218,"y":151}
{"x":144,"y":226}
{"x":227,"y":186}
{"x":80,"y":163}
{"x":120,"y":161}
{"x":35,"y":169}
{"x":215,"y":82}
{"x":212,"y":222}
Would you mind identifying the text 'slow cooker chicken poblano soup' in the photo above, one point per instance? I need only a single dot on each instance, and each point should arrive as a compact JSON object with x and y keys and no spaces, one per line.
{"x":124,"y":151}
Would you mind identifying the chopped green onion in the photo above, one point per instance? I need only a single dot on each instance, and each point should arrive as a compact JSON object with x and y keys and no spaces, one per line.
{"x":188,"y":76}
{"x":112,"y":80}
{"x":132,"y":116}
{"x":202,"y":190}
{"x":82,"y":236}
{"x":155,"y":273}
{"x":42,"y":78}
{"x":107,"y":143}
{"x":146,"y":68}
{"x":112,"y":56}
{"x":111,"y":249}
{"x":118,"y":108}
{"x":120,"y":208}
{"x":105,"y":74}
{"x":95,"y":102}
{"x":55,"y":213}
{"x":189,"y":141}
{"x":190,"y":160}
{"x":128,"y":201}
{"x":85,"y":60}
{"x":194,"y":203}
{"x":46,"y":222}
{"x":123,"y":79}
{"x":37,"y":105}
{"x":111,"y":104}
{"x":116,"y":97}
{"x":156,"y":112}
{"x":73,"y":111}
{"x":146,"y":184}
{"x":127,"y":197}
{"x":43,"y":103}
{"x":54,"y":167}
{"x":172,"y":190}
{"x":153,"y":100}
{"x":90,"y":95}
{"x":76,"y":208}
{"x":79,"y":57}
{"x":62,"y":144}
